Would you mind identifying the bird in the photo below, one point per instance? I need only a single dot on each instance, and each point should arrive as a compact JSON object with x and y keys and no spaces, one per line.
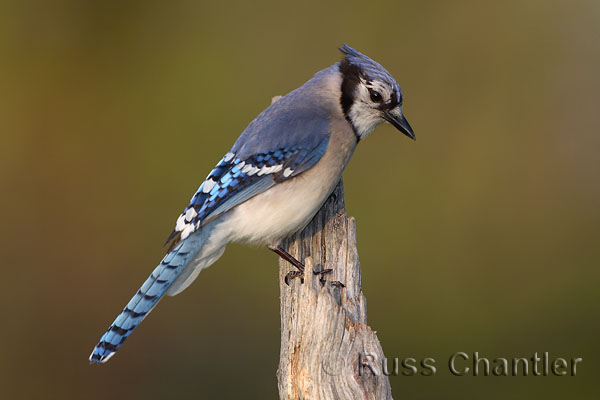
{"x":274,"y":179}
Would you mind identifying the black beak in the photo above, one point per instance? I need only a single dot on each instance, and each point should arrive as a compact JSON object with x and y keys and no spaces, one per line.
{"x":397,"y":119}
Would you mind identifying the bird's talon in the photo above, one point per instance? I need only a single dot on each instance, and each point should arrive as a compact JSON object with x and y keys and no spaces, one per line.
{"x":293,"y":275}
{"x":323,"y":272}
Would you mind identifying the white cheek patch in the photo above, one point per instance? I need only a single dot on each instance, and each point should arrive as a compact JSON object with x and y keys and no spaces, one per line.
{"x":364,"y":112}
{"x":363,"y":94}
{"x":364,"y":119}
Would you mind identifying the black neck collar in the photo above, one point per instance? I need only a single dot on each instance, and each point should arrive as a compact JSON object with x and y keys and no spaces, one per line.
{"x":350,"y":80}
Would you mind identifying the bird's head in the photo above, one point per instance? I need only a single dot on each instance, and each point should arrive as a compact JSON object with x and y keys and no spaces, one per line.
{"x":370,"y":95}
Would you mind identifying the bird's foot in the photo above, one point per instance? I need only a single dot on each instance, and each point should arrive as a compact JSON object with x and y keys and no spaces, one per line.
{"x":300,"y":269}
{"x":289,"y":258}
{"x":293,"y":275}
{"x":322,"y":273}
{"x":337,"y":284}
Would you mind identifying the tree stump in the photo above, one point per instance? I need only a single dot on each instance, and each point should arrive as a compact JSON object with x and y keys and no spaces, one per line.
{"x":327,"y":349}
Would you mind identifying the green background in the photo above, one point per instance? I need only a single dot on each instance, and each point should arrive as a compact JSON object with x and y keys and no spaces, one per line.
{"x":480,"y":236}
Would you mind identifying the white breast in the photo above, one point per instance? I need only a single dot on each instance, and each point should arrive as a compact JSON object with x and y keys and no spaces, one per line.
{"x":279,"y":212}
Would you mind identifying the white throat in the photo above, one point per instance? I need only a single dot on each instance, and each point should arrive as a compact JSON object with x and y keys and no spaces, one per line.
{"x":364,"y":119}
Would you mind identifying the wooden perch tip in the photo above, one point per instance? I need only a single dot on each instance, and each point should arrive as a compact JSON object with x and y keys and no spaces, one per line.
{"x":325,"y":339}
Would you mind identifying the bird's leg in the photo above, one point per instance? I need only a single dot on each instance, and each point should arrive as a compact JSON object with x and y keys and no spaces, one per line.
{"x":289,"y":258}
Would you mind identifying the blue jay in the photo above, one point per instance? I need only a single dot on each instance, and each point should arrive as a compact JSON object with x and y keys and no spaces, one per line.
{"x":273,"y":181}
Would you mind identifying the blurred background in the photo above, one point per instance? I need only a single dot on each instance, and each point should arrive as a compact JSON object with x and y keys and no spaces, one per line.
{"x":112,"y":113}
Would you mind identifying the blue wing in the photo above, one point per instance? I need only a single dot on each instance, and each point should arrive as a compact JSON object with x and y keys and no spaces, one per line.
{"x":275,"y":147}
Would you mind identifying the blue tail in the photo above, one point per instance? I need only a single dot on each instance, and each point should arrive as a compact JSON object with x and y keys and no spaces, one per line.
{"x":146,"y":298}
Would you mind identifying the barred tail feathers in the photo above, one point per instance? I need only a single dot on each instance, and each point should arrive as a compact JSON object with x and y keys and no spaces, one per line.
{"x":142,"y":303}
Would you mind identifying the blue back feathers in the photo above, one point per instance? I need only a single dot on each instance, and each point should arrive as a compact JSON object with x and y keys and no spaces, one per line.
{"x":285,"y":140}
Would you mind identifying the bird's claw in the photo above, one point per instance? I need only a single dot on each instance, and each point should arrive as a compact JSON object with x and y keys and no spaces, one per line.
{"x":300,"y":274}
{"x":322,"y":273}
{"x":293,"y":275}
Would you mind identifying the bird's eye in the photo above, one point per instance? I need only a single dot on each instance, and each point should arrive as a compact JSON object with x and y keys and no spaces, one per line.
{"x":375,"y":96}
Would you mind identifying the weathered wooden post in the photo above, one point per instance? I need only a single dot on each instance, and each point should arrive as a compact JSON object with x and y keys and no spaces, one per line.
{"x":327,"y":349}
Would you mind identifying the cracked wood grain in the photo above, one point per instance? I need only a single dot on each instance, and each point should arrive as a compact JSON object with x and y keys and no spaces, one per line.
{"x":324,"y":333}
